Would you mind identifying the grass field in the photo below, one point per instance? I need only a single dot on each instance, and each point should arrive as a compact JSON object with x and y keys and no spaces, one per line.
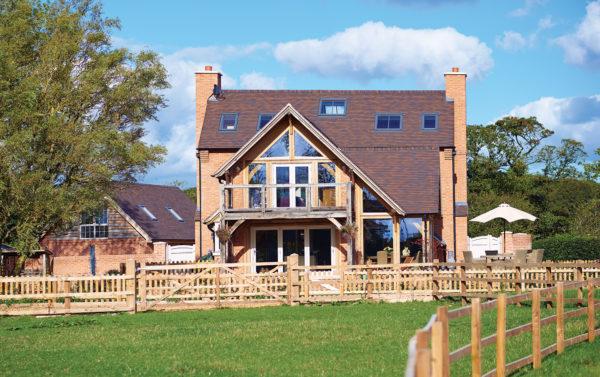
{"x":333,"y":340}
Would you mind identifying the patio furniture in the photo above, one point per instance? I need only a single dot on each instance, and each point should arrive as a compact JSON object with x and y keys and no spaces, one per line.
{"x":536,"y":256}
{"x":499,"y":257}
{"x":520,"y":256}
{"x":468,"y":255}
{"x":491,"y":252}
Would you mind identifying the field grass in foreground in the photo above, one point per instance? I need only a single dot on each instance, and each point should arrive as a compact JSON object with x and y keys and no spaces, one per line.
{"x":333,"y":340}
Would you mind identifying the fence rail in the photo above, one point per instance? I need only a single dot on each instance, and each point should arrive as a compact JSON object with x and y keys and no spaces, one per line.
{"x":182,"y":286}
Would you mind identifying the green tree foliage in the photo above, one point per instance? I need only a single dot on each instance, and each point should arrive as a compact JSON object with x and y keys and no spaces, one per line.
{"x":563,"y":161}
{"x":72,"y":109}
{"x":563,"y":247}
{"x":191,"y":193}
{"x":591,"y":170}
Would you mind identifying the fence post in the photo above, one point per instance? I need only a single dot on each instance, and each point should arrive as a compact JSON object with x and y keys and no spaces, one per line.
{"x":423,"y":364}
{"x":292,"y":277}
{"x":560,"y":318}
{"x":131,"y":297}
{"x":501,"y":336}
{"x":463,"y":284}
{"x":142,"y":286}
{"x":579,"y":277}
{"x":519,"y":284}
{"x":535,"y":329}
{"x":342,"y":271}
{"x":437,"y":349}
{"x":548,"y":280}
{"x":218,"y":285}
{"x":590,"y":311}
{"x":369,"y":280}
{"x":67,"y":291}
{"x":476,"y":337}
{"x":489,"y":276}
{"x":435,"y":280}
{"x":442,"y":317}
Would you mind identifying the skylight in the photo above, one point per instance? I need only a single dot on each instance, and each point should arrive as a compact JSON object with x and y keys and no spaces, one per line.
{"x":388,"y":122}
{"x":332,"y":107}
{"x":147,"y":212}
{"x":228,"y":122}
{"x":263,"y":119}
{"x":175,"y":214}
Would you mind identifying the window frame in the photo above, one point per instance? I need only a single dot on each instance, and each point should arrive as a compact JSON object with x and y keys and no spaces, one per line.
{"x":258,"y":127}
{"x":94,"y":226}
{"x":345,"y":100}
{"x":221,"y":129}
{"x":401,"y":115}
{"x":437,"y":126}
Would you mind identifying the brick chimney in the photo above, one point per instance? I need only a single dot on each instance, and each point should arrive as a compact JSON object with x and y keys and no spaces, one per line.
{"x":456,"y":91}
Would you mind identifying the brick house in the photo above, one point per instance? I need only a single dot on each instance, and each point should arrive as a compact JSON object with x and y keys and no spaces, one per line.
{"x":284,"y":170}
{"x":149,"y":223}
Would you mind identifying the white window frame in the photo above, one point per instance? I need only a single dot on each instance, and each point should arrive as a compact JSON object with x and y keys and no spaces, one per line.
{"x":292,"y":171}
{"x":94,"y":226}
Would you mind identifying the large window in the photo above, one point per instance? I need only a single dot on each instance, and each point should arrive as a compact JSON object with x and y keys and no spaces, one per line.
{"x":326,"y":173}
{"x":378,"y":234}
{"x":94,"y":225}
{"x":281,"y":148}
{"x":371,"y":203}
{"x":257,"y":175}
{"x":302,"y":148}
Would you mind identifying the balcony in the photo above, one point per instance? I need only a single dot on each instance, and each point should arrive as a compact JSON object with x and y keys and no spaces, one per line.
{"x":285,"y":201}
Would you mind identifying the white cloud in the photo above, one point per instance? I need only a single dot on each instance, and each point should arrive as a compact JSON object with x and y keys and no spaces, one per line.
{"x":573,"y":117}
{"x":511,"y":41}
{"x":583,"y":47}
{"x":546,"y":23}
{"x":374,"y":50}
{"x":221,"y":53}
{"x":529,"y":4}
{"x":256,"y":80}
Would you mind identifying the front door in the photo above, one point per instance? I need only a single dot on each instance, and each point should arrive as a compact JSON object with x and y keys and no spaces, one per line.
{"x":290,"y":174}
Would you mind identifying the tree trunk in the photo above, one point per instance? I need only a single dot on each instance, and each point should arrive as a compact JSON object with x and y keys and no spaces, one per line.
{"x":19,"y":265}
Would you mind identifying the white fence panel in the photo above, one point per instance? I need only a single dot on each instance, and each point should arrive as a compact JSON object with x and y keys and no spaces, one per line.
{"x":180,"y":253}
{"x":478,"y":245}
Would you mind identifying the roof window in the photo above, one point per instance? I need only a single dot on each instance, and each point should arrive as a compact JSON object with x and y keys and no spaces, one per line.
{"x":430,"y":122}
{"x":263,"y":119}
{"x":228,"y":122}
{"x":332,"y":107}
{"x":147,"y":212}
{"x":175,"y":214}
{"x":388,"y":122}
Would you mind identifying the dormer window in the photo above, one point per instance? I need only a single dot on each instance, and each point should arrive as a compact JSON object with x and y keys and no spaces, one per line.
{"x":332,"y":107}
{"x":147,"y":212}
{"x":430,"y":122}
{"x":228,"y":122}
{"x":388,"y":122}
{"x":263,"y":119}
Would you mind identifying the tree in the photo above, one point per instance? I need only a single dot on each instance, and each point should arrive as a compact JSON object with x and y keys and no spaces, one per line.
{"x":591,"y":170}
{"x":562,"y":162}
{"x":72,"y":110}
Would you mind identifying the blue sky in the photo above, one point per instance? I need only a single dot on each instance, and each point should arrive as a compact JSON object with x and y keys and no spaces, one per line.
{"x":522,"y":57}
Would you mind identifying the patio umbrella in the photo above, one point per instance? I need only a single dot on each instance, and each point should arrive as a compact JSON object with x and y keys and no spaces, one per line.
{"x":507,"y":213}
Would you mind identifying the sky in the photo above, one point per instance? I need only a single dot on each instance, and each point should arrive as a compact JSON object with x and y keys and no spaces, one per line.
{"x":522,"y":57}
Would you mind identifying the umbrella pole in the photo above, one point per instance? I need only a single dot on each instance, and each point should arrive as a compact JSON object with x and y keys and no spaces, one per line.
{"x":504,"y":243}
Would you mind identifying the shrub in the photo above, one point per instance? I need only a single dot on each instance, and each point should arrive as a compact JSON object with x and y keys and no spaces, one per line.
{"x":562,"y":247}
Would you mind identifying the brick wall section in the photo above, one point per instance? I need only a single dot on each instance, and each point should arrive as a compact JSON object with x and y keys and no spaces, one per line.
{"x":516,"y":241}
{"x":205,"y":81}
{"x":72,"y":258}
{"x":447,"y":219}
{"x":456,"y":89}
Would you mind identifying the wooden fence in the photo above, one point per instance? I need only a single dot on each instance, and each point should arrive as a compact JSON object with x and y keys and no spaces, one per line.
{"x":429,"y":353}
{"x":211,"y":285}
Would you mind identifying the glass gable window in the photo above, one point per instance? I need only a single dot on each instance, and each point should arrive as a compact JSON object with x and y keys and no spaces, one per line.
{"x":263,"y":119}
{"x":326,"y":173}
{"x":370,"y":203}
{"x":281,"y":148}
{"x":430,"y":122}
{"x":334,"y":107}
{"x":257,"y":175}
{"x":302,"y":148}
{"x":228,"y":122}
{"x":388,"y":122}
{"x":94,"y":225}
{"x":378,"y":234}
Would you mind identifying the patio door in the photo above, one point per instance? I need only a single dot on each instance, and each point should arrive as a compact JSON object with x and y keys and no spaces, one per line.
{"x":290,"y":174}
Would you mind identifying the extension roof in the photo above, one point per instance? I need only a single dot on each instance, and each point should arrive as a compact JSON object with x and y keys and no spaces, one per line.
{"x":129,"y":195}
{"x":405,"y":165}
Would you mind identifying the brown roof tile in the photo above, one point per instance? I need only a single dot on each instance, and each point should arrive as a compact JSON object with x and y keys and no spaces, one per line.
{"x":129,"y":195}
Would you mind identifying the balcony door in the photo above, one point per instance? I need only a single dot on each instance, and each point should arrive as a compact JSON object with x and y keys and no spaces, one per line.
{"x":290,"y":174}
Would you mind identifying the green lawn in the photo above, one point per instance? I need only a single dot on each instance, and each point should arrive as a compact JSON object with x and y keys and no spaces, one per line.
{"x":332,"y":340}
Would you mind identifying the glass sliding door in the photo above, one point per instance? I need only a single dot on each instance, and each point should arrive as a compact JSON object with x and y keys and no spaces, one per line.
{"x":266,"y":246}
{"x":293,"y":242}
{"x":320,"y":247}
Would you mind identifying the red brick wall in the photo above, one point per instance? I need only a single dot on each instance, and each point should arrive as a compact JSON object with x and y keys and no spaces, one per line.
{"x":516,"y":241}
{"x":72,"y":258}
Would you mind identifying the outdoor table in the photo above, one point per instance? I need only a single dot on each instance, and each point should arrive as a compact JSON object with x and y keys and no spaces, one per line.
{"x":498,"y":257}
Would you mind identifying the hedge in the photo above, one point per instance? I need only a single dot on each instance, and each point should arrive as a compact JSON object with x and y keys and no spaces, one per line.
{"x":562,"y":247}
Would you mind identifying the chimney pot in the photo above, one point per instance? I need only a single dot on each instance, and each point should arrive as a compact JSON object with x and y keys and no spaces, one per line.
{"x":208,"y":68}
{"x":454,"y":69}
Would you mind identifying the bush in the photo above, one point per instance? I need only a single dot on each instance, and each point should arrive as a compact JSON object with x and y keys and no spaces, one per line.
{"x":562,"y":247}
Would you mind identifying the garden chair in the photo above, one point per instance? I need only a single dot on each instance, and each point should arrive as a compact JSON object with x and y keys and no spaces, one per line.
{"x":536,"y":256}
{"x":521,"y":256}
{"x":407,"y":260}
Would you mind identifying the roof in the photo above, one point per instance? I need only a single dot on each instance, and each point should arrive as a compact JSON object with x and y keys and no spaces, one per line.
{"x":154,"y":197}
{"x":405,"y":165}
